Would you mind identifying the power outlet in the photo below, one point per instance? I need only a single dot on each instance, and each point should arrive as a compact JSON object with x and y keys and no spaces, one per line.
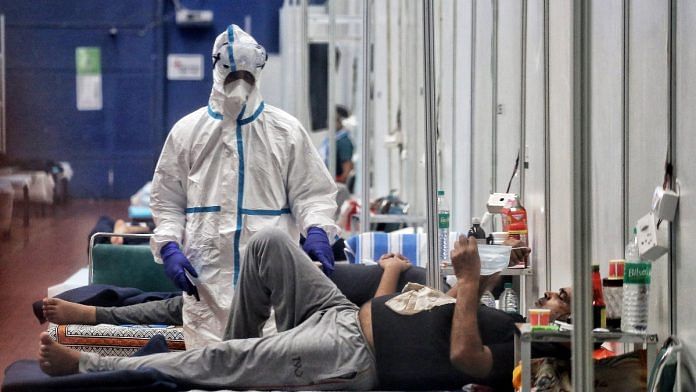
{"x":651,"y":243}
{"x":664,"y":203}
{"x":496,"y":202}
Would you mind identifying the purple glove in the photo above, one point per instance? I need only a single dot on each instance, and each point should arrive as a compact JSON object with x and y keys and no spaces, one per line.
{"x":317,"y":246}
{"x":175,"y":265}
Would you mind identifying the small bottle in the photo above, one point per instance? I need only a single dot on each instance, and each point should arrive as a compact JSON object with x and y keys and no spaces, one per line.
{"x":508,"y":301}
{"x":488,"y":299}
{"x":636,"y":289}
{"x":515,"y":219}
{"x":443,"y":232}
{"x":599,"y":307}
{"x":477,"y":231}
{"x":613,"y":293}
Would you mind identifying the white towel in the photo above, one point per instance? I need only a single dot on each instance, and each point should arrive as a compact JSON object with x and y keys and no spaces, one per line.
{"x":415,"y":298}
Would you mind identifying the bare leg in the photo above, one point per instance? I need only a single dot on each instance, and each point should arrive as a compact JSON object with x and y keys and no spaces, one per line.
{"x":56,"y":359}
{"x":59,"y":311}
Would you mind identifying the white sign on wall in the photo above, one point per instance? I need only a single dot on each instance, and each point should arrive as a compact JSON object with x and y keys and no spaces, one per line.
{"x":89,"y":79}
{"x":185,"y":67}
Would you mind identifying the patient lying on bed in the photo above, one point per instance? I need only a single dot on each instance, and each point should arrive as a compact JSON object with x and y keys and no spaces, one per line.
{"x":325,"y":341}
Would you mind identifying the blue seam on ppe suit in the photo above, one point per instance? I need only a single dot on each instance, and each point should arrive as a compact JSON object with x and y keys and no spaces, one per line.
{"x":240,"y":184}
{"x":194,"y":210}
{"x":266,"y":212}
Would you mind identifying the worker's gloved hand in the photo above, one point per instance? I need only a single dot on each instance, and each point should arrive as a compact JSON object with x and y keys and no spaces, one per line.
{"x":318,"y":248}
{"x":175,"y":265}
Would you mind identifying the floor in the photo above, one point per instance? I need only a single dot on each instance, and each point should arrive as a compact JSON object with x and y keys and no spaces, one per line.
{"x":50,"y":250}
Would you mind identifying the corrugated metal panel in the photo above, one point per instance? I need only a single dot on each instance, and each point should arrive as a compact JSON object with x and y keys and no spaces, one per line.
{"x":648,"y":130}
{"x":508,"y":94}
{"x":560,"y":101}
{"x":535,"y":179}
{"x":685,"y":165}
{"x":607,"y":132}
{"x":481,"y":131}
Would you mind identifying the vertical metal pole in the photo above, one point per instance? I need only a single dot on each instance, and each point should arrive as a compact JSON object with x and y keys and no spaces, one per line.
{"x":494,"y":103}
{"x":304,"y":59}
{"x":626,"y":117}
{"x":523,"y":102}
{"x":433,"y":273}
{"x":672,"y":154}
{"x":331,"y":74}
{"x":547,"y":147}
{"x":365,"y":148}
{"x":583,"y":372}
{"x":473,"y":166}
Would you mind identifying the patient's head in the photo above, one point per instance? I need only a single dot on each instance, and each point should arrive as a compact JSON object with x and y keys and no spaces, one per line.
{"x":557,"y":302}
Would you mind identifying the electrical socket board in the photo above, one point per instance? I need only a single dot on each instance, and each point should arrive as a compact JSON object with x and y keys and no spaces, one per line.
{"x":496,"y":202}
{"x":652,"y":243}
{"x":664,"y":203}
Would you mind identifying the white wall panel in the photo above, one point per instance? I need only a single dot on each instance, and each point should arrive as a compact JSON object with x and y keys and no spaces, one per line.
{"x":381,"y":120}
{"x":461,"y":140}
{"x":535,"y":177}
{"x":481,"y":131}
{"x":509,"y":79}
{"x":445,"y":85}
{"x":648,"y":130}
{"x":607,"y":132}
{"x":685,"y":166}
{"x":560,"y":122}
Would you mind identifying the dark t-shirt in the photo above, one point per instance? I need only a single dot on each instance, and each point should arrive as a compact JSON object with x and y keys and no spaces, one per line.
{"x":344,"y":153}
{"x":413,"y":351}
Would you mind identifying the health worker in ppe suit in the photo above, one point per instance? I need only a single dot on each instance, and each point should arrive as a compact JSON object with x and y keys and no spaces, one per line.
{"x":227,"y":171}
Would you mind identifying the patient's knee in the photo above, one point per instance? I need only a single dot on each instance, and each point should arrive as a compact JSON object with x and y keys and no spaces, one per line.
{"x":268,"y":237}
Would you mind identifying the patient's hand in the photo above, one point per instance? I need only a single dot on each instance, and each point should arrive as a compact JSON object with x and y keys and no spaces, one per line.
{"x":465,"y":259}
{"x":394,"y":260}
{"x":520,"y":251}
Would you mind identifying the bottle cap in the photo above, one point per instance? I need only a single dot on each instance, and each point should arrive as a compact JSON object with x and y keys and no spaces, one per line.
{"x":616,"y":269}
{"x":440,"y":192}
{"x":508,"y":285}
{"x":476,"y":220}
{"x":595,"y":267}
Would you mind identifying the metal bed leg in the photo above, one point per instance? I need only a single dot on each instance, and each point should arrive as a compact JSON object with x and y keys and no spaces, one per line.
{"x":26,"y":205}
{"x":526,"y":366}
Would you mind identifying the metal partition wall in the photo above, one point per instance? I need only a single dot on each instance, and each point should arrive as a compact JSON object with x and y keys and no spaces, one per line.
{"x":607,"y":131}
{"x":534,"y":129}
{"x":648,"y":131}
{"x":684,"y":246}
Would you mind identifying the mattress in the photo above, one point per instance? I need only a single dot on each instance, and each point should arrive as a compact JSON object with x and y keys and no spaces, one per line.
{"x":115,"y":340}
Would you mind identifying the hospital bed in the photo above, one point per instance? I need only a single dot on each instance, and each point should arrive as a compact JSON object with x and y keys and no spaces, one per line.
{"x":122,"y":266}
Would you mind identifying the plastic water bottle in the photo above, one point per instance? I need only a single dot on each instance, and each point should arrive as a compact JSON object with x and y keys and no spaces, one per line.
{"x":508,"y":301}
{"x":443,"y":232}
{"x":636,"y":289}
{"x":488,"y":299}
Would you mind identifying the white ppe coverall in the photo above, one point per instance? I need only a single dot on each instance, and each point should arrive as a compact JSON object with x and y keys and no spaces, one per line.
{"x":225,"y":172}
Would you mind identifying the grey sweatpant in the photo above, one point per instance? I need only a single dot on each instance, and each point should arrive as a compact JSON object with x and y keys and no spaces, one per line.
{"x":319,"y":345}
{"x":166,"y":311}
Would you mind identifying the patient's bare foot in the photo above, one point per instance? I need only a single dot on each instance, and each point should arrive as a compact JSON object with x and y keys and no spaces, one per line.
{"x":56,"y":359}
{"x":59,"y":311}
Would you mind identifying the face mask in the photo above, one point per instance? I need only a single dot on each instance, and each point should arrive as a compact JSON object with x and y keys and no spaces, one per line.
{"x":238,"y":91}
{"x":494,"y":258}
{"x":349,"y":123}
